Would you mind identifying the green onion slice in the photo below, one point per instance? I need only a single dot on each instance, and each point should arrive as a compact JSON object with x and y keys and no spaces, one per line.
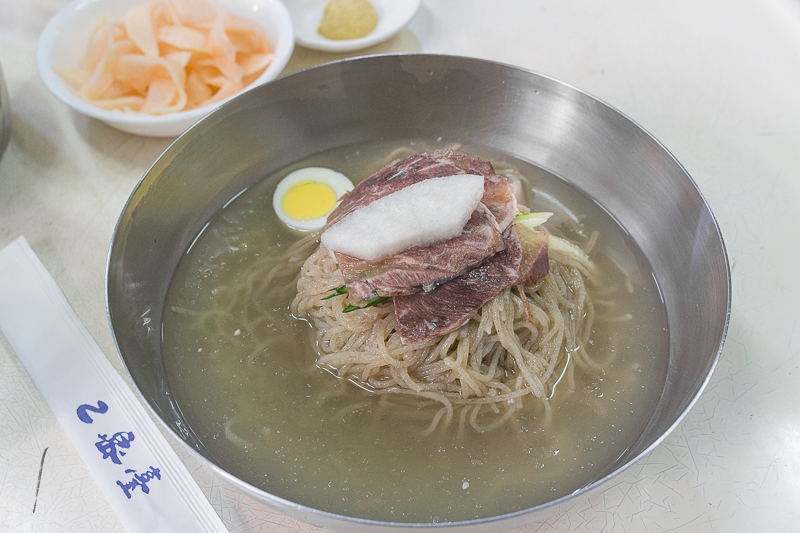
{"x":531,"y":220}
{"x":368,"y":303}
{"x":336,"y":292}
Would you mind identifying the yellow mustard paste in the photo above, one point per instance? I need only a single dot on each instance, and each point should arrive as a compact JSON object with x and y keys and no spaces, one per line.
{"x":347,"y":19}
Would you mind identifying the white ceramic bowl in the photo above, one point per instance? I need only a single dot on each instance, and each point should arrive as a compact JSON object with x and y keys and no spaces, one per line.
{"x":392,"y":16}
{"x":64,"y":40}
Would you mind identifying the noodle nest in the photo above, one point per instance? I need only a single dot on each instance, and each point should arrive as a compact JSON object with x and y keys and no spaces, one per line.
{"x":517,"y":345}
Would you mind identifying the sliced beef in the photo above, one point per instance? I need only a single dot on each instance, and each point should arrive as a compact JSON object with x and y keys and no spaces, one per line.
{"x":437,"y":288}
{"x":498,"y":193}
{"x":499,"y":197}
{"x":471,"y":165}
{"x":423,"y":267}
{"x":425,"y":315}
{"x":534,"y":263}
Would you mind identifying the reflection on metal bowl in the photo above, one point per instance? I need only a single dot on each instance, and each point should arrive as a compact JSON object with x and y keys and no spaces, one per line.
{"x":5,"y":115}
{"x":506,"y":109}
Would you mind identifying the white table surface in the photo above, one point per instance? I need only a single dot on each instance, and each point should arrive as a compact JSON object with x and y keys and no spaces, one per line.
{"x":718,"y":82}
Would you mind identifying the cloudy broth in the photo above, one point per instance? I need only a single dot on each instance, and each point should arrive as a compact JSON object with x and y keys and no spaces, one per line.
{"x":249,"y":388}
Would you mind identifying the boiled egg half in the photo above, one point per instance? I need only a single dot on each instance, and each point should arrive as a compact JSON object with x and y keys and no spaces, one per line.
{"x":304,"y":199}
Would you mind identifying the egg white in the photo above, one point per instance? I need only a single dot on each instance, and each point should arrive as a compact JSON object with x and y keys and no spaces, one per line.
{"x":335,"y":180}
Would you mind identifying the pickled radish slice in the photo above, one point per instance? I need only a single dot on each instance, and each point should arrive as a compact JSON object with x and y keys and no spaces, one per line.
{"x":413,"y":216}
{"x":169,"y":56}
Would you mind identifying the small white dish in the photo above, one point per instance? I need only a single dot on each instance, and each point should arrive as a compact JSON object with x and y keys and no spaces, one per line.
{"x":393,"y":15}
{"x":64,"y":41}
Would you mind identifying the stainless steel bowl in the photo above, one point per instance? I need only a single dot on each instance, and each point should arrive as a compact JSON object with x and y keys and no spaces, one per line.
{"x":527,"y":115}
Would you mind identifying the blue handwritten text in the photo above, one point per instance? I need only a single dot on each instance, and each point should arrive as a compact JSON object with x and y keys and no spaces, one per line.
{"x":108,"y":446}
{"x":85,"y":417}
{"x":139,"y":480}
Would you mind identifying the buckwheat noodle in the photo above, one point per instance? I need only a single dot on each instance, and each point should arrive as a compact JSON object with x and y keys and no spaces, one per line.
{"x":509,"y":350}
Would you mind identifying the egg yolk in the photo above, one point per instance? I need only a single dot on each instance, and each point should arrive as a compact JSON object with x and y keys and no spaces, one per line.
{"x":308,"y":200}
